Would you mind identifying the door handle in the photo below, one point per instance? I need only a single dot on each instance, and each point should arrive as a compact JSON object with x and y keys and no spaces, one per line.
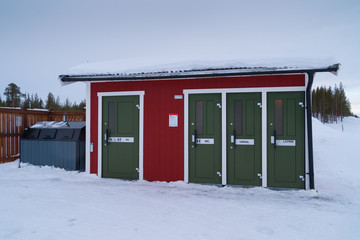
{"x":274,"y":139}
{"x":195,"y":137}
{"x":234,"y":138}
{"x":106,"y":137}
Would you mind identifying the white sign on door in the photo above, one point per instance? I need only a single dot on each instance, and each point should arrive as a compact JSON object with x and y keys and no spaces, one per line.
{"x":173,"y":120}
{"x":288,"y":143}
{"x":205,"y":141}
{"x":245,"y":142}
{"x":121,"y":139}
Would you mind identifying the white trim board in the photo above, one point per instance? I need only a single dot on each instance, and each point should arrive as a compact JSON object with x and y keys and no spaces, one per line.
{"x":245,"y":90}
{"x":141,"y":127}
{"x":264,"y":136}
{"x":186,"y":136}
{"x":223,"y":140}
{"x":88,"y":124}
{"x":223,"y":92}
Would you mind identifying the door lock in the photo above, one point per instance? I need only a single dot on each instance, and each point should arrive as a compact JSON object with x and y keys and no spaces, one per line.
{"x":259,"y":175}
{"x":218,"y":173}
{"x":302,"y":178}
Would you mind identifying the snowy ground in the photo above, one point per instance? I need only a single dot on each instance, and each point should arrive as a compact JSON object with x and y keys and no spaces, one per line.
{"x":50,"y":203}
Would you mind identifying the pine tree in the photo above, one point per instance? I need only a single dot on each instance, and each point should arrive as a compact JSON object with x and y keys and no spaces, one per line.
{"x":50,"y":101}
{"x":317,"y":102}
{"x":13,"y":99}
{"x":79,"y":106}
{"x":2,"y":103}
{"x":329,"y":104}
{"x":345,"y":108}
{"x":82,"y":105}
{"x":313,"y":103}
{"x":35,"y":101}
{"x":26,"y":103}
{"x":13,"y":95}
{"x":336,"y":99}
{"x":41,"y":104}
{"x":322,"y":102}
{"x":67,"y":106}
{"x":57,"y":104}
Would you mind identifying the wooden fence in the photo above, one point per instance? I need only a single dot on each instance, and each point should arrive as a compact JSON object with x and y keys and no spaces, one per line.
{"x":14,"y":121}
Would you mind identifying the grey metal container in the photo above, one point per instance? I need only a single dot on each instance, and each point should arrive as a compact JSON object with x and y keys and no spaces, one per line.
{"x":58,"y":144}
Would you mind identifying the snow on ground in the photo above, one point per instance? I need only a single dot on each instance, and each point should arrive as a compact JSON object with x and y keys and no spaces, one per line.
{"x":51,"y":203}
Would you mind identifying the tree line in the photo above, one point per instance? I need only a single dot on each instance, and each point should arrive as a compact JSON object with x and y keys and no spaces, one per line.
{"x":330,"y":104}
{"x":15,"y":98}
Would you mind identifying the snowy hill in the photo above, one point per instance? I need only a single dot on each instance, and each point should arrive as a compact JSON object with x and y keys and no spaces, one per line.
{"x":336,"y":155}
{"x":50,"y":203}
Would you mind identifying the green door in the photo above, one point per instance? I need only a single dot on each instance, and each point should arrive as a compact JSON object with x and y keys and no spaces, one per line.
{"x":244,"y":139}
{"x":285,"y":139}
{"x":120,"y":137}
{"x":205,"y":138}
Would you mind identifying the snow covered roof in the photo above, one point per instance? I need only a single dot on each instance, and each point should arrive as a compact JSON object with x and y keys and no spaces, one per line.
{"x":137,"y":70}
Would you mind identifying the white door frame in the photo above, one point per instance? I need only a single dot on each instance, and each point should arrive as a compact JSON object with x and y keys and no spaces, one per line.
{"x":88,"y":148}
{"x":223,"y":92}
{"x":141,"y":127}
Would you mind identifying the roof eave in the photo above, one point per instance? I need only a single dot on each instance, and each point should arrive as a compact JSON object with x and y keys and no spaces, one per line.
{"x":158,"y":76}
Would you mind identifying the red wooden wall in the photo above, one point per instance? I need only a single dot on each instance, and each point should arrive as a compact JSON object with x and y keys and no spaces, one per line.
{"x":164,"y":145}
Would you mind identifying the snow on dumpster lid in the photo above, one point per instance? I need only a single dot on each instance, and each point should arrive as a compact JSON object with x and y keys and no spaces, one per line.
{"x":142,"y":68}
{"x":53,"y":124}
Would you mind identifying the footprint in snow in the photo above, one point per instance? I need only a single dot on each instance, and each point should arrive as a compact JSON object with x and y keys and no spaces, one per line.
{"x":71,"y":222}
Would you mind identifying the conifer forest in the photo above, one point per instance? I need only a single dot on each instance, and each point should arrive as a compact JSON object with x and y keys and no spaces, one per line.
{"x":330,"y":104}
{"x":16,"y":99}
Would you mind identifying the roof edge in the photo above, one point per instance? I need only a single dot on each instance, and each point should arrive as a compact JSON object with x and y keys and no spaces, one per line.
{"x":222,"y":72}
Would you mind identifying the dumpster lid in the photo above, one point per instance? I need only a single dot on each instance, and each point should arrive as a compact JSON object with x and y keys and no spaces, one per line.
{"x":59,"y":125}
{"x":47,"y":133}
{"x":32,"y":133}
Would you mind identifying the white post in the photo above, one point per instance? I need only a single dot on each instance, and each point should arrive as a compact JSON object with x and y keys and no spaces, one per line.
{"x":186,"y":137}
{"x":264,"y":137}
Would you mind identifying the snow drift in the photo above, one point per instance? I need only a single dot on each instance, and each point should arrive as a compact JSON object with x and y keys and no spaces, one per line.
{"x":50,"y":203}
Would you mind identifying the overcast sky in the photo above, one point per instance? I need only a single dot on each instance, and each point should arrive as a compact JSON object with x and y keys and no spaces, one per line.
{"x":40,"y":39}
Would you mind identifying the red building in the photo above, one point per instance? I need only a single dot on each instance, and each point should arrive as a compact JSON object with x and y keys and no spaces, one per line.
{"x":226,"y":126}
